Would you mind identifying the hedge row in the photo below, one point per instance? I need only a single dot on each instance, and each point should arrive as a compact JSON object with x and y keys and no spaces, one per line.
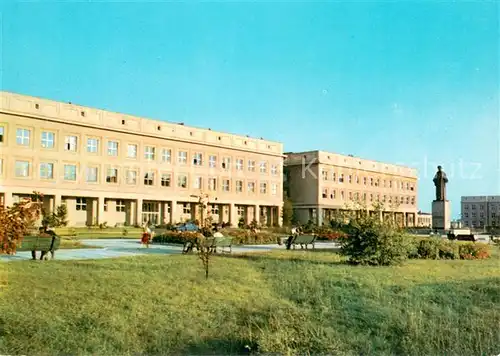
{"x":422,"y":248}
{"x":435,"y":248}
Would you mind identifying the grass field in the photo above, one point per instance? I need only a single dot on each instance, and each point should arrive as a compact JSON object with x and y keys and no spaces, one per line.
{"x":287,"y":301}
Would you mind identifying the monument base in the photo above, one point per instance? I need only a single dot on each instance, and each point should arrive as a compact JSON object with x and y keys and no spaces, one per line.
{"x":441,"y":215}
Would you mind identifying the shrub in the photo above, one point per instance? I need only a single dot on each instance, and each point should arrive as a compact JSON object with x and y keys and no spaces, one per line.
{"x":428,"y":248}
{"x":448,"y":250}
{"x":472,"y":251}
{"x":16,"y":221}
{"x":325,"y":233}
{"x":175,"y":237}
{"x":371,"y":241}
{"x":241,"y":222}
{"x":247,"y":237}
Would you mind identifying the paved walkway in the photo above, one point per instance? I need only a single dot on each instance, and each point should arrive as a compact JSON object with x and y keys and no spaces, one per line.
{"x":126,"y":247}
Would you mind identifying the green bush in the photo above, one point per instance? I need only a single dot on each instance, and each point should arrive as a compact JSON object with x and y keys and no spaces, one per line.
{"x":429,"y":248}
{"x":373,"y":242}
{"x":175,"y":237}
{"x":247,"y":237}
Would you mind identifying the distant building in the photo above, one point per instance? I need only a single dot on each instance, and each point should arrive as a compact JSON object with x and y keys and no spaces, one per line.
{"x":424,"y":219}
{"x":321,"y":183}
{"x":480,"y":211}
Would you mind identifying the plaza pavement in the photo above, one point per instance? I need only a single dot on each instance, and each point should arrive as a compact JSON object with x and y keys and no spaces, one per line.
{"x":114,"y":248}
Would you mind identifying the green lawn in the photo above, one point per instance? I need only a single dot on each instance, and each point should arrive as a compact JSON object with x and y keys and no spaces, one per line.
{"x":287,"y":301}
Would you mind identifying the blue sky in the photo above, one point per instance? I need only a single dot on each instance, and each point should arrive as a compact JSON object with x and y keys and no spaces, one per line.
{"x":409,"y":82}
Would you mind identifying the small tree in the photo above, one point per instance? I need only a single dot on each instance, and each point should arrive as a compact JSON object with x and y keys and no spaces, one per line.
{"x":373,"y":241}
{"x":287,"y":213}
{"x":61,"y":215}
{"x":15,"y":221}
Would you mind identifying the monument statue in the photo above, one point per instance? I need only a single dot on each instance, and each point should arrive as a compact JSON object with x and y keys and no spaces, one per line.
{"x":440,"y":181}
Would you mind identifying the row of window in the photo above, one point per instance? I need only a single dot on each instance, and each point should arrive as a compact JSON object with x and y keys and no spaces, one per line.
{"x":22,"y":170}
{"x":481,"y":207}
{"x":481,"y":214}
{"x":150,"y":153}
{"x":340,"y":178}
{"x":364,"y":196}
{"x":149,"y":207}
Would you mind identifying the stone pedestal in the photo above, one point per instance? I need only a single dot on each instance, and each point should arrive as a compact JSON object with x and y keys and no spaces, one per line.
{"x":441,"y":215}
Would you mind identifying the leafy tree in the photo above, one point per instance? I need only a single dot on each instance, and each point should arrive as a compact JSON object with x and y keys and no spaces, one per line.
{"x":287,"y":213}
{"x":16,"y":221}
{"x":61,"y":215}
{"x":371,"y":240}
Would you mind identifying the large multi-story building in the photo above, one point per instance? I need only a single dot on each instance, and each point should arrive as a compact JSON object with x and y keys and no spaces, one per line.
{"x":122,"y":169}
{"x":321,"y":183}
{"x":480,"y":211}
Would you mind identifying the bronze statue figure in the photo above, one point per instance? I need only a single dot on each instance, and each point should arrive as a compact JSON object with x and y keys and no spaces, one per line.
{"x":440,"y":181}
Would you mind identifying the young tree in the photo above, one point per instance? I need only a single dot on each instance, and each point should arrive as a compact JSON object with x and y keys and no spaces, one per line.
{"x":15,"y":221}
{"x":287,"y":213}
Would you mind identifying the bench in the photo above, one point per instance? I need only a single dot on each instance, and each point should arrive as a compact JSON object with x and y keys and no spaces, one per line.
{"x":210,"y":242}
{"x":45,"y":243}
{"x":302,"y":240}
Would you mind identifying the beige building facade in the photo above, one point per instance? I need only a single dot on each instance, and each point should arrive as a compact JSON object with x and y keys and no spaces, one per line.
{"x":321,"y":183}
{"x":480,"y":211}
{"x":122,"y":169}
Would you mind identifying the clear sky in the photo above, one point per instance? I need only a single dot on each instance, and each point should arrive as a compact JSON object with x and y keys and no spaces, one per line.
{"x":414,"y":83}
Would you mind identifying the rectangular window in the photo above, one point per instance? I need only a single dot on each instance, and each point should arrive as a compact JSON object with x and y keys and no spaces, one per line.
{"x":112,"y":175}
{"x":251,"y":187}
{"x":197,"y":159}
{"x":239,"y":186}
{"x":390,"y":184}
{"x":226,"y":163}
{"x":186,"y":208}
{"x":324,"y":174}
{"x":198,"y":183}
{"x":1,"y":166}
{"x":214,"y":209}
{"x":2,"y":134}
{"x":342,"y":195}
{"x":182,"y":181}
{"x":371,"y":181}
{"x":91,"y":174}
{"x":334,"y":177}
{"x":70,"y":143}
{"x":131,"y":177}
{"x":149,"y":153}
{"x":274,"y":170}
{"x":225,"y":185}
{"x":112,"y":148}
{"x":166,"y":179}
{"x":120,"y":205}
{"x":364,"y":180}
{"x":81,"y":204}
{"x":212,"y":161}
{"x":239,"y":164}
{"x":48,"y":139}
{"x":92,"y":145}
{"x":212,"y":183}
{"x":274,"y":189}
{"x":251,"y":166}
{"x":325,"y":193}
{"x":341,"y":178}
{"x":46,"y":170}
{"x":166,"y":155}
{"x":22,"y":169}
{"x":263,"y":167}
{"x":23,"y":137}
{"x":349,"y":195}
{"x":131,"y":150}
{"x":70,"y":172}
{"x":349,"y":178}
{"x":149,"y":178}
{"x":240,"y":210}
{"x":182,"y":157}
